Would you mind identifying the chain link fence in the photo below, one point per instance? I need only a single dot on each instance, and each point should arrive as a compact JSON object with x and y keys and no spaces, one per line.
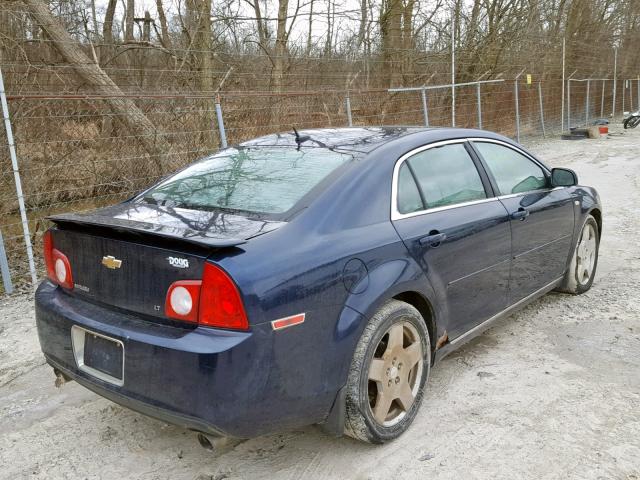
{"x":75,"y":154}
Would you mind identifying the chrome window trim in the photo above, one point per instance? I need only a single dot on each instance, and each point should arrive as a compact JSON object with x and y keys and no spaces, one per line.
{"x":512,"y":147}
{"x":395,"y":214}
{"x":528,"y":192}
{"x":77,"y":343}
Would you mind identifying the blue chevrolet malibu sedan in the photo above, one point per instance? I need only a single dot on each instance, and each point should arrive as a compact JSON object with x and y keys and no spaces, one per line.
{"x":310,"y":277}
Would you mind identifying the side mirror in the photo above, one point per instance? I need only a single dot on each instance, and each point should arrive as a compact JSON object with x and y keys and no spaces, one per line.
{"x":563,"y":177}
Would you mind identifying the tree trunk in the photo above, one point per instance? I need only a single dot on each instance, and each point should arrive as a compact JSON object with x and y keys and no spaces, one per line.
{"x":146,"y":29}
{"x":136,"y":123}
{"x":281,"y":46}
{"x":260,"y":25}
{"x":107,"y":27}
{"x":310,"y":29}
{"x":165,"y":40}
{"x":128,"y":29}
{"x":199,"y":25}
{"x":94,"y":20}
{"x":362,"y":30}
{"x":391,"y":31}
{"x":329,"y":40}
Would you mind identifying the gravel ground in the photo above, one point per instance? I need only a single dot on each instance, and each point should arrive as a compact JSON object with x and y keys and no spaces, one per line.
{"x":551,"y":392}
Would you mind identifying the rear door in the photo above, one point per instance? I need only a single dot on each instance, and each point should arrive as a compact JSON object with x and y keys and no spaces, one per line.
{"x":445,"y":212}
{"x":541,"y":217}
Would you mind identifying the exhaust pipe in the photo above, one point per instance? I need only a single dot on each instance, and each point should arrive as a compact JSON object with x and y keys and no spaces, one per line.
{"x":216,"y":444}
{"x":61,"y":378}
{"x":206,"y":442}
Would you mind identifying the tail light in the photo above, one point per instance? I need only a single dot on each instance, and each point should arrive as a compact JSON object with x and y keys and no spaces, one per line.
{"x":58,"y":266}
{"x":214,"y":301}
{"x":183,"y":300}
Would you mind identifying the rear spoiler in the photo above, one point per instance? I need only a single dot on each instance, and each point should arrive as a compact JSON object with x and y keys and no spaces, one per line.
{"x":200,"y":238}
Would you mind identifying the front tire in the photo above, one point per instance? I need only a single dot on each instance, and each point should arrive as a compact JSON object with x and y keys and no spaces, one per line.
{"x":390,"y":368}
{"x":582,"y":269}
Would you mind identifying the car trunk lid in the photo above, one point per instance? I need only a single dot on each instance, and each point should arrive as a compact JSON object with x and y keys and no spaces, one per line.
{"x":128,"y":256}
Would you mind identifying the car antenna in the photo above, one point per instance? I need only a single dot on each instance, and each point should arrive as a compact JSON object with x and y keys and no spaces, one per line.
{"x":300,"y":139}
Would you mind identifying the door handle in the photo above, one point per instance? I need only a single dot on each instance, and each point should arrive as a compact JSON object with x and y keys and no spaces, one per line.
{"x":433,"y":239}
{"x":521,"y":214}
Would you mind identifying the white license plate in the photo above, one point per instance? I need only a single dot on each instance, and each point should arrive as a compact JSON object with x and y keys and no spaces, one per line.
{"x":98,"y":355}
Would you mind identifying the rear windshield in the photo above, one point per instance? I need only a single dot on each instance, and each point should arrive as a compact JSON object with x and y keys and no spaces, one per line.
{"x":267,"y":180}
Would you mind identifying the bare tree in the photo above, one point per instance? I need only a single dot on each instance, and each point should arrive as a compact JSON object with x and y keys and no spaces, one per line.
{"x":261,"y":26}
{"x":124,"y":109}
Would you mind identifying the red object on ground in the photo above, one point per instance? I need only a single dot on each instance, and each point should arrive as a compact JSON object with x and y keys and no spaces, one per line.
{"x":604,"y":129}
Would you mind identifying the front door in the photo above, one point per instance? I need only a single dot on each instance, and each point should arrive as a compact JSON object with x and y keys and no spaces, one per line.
{"x":541,"y":218}
{"x":445,"y":214}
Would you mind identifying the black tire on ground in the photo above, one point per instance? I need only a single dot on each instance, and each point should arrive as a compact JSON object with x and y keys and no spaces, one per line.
{"x":631,"y":122}
{"x":575,"y":280}
{"x":376,"y":344}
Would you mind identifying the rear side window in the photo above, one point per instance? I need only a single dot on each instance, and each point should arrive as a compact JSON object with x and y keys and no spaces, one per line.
{"x":446,"y":176}
{"x":267,"y":180}
{"x":513,"y":172}
{"x":408,"y":195}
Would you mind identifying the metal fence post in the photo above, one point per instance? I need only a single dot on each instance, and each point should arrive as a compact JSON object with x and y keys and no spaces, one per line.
{"x":223,"y":134}
{"x":18,"y":182}
{"x":615,"y":81}
{"x":602,"y":100}
{"x":347,"y":102}
{"x":425,"y":108}
{"x":586,"y":107}
{"x":562,"y":99}
{"x":544,"y":133}
{"x":517,"y":110}
{"x":569,"y":105}
{"x":453,"y":69}
{"x":624,"y":88}
{"x":479,"y":106}
{"x":631,"y":95}
{"x":4,"y":268}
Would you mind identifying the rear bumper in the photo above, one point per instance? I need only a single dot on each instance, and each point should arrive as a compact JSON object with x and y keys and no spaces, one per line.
{"x":215,"y":381}
{"x":149,"y":409}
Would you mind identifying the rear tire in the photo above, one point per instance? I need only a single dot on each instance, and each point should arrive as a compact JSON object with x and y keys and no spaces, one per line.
{"x":584,"y":261}
{"x":390,"y":368}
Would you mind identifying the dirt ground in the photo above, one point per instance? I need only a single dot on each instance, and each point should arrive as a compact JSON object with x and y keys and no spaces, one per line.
{"x":551,"y":392}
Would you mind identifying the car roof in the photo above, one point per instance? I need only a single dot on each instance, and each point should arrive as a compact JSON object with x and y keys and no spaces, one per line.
{"x":362,"y":139}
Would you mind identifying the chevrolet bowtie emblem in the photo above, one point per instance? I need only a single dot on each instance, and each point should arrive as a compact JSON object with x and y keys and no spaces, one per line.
{"x":111,"y":262}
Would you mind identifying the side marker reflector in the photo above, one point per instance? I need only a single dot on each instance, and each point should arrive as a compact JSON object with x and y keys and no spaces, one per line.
{"x":288,"y":321}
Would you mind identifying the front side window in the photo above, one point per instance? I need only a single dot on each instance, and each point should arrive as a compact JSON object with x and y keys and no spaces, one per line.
{"x":513,"y":172}
{"x":267,"y":180}
{"x":445,"y":175}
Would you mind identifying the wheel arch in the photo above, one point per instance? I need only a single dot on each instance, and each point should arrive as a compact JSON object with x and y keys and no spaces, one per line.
{"x":420,"y":303}
{"x":597,"y":214}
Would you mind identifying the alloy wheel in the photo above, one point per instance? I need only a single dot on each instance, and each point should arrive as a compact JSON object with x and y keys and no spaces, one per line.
{"x":394,"y":373}
{"x":586,"y":254}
